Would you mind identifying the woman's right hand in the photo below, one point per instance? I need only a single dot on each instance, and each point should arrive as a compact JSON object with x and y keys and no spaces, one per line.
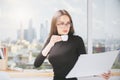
{"x":54,"y":39}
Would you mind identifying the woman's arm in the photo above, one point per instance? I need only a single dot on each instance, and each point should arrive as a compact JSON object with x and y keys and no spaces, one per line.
{"x":47,"y":49}
{"x":53,"y":40}
{"x":49,"y":44}
{"x":40,"y":58}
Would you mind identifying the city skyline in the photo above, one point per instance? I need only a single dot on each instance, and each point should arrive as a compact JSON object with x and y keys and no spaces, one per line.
{"x":13,"y":13}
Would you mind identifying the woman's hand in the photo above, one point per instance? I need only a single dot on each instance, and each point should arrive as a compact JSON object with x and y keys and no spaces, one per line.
{"x":54,"y":39}
{"x":107,"y":75}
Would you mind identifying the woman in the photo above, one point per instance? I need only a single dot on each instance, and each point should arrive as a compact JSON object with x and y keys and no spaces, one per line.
{"x":62,"y":54}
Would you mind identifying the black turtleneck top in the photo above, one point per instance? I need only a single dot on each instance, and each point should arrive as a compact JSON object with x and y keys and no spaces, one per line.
{"x":63,"y":56}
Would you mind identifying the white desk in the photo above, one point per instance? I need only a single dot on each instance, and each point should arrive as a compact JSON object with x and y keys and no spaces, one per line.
{"x":50,"y":78}
{"x":11,"y":75}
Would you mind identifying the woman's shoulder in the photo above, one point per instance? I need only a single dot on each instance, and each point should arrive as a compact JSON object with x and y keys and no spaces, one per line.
{"x":77,"y":37}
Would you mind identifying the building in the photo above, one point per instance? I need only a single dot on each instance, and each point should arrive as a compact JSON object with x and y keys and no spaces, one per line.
{"x":43,"y":31}
{"x":30,"y":33}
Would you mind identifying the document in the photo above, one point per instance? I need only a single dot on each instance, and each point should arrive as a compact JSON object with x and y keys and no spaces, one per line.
{"x":93,"y":64}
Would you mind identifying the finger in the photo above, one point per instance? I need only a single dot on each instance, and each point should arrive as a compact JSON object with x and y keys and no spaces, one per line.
{"x":110,"y":73}
{"x":56,"y":38}
{"x":106,"y":76}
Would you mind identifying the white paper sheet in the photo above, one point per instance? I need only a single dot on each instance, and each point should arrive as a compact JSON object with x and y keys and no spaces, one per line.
{"x":93,"y":64}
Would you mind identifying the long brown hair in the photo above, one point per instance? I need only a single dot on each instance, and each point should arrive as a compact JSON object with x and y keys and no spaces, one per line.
{"x":59,"y":13}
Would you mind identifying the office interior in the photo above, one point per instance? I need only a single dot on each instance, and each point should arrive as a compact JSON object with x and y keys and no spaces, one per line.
{"x":25,"y":25}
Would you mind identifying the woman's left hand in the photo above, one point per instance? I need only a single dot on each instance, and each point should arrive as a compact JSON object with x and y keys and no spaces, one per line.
{"x":107,"y":75}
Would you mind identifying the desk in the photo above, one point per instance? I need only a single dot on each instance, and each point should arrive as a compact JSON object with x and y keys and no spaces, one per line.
{"x":29,"y":73}
{"x":45,"y":75}
{"x":37,"y":73}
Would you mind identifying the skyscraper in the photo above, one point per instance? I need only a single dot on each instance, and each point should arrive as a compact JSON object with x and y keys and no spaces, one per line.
{"x":43,"y":31}
{"x":30,"y":33}
{"x":20,"y":33}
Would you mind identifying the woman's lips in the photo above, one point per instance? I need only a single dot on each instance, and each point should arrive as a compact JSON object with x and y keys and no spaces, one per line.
{"x":65,"y":31}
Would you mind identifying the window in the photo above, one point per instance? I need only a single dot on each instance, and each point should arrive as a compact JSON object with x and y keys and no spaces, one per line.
{"x":25,"y":26}
{"x":106,"y":26}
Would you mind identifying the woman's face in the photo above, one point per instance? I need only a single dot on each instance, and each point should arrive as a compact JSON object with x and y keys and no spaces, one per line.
{"x":63,"y":25}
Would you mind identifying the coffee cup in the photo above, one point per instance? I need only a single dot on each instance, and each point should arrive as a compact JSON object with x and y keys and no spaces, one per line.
{"x":64,"y":37}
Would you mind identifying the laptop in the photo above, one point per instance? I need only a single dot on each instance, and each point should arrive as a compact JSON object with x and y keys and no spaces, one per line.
{"x":93,"y":64}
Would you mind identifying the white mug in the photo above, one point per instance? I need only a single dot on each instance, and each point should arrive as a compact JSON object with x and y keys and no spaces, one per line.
{"x":64,"y":37}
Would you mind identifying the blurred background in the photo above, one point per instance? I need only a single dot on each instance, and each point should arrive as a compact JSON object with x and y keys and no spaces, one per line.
{"x":25,"y":25}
